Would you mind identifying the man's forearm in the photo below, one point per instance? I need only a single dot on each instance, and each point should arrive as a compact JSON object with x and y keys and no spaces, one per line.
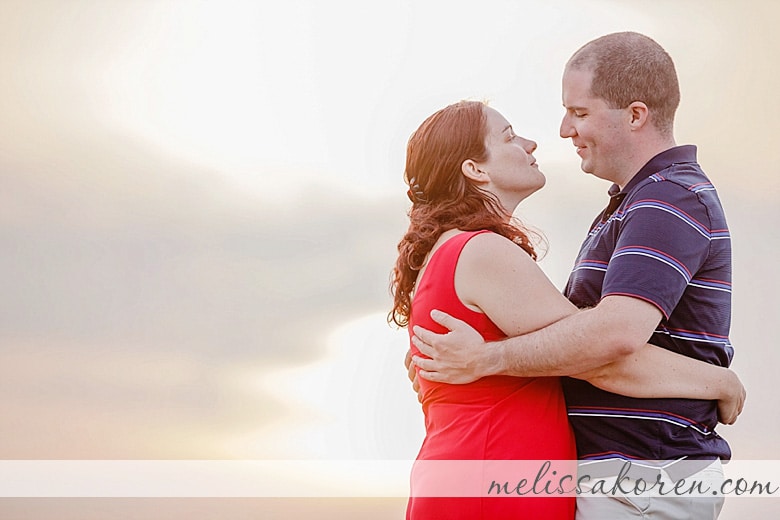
{"x":656,"y":372}
{"x":583,"y":341}
{"x":580,"y":342}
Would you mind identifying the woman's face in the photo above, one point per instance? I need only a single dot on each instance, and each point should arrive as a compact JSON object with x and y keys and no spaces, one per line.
{"x":510,"y":167}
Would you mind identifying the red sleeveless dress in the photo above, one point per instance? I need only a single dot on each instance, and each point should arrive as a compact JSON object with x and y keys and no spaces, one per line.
{"x":497,"y":418}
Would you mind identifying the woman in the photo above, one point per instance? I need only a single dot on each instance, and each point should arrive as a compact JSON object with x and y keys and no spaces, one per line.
{"x":463,"y":254}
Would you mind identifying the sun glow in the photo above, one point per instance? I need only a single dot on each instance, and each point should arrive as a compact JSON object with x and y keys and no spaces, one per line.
{"x":208,"y":84}
{"x":354,"y":402}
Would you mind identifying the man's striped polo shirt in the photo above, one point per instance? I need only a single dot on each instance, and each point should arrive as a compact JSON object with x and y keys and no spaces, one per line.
{"x":662,"y":239}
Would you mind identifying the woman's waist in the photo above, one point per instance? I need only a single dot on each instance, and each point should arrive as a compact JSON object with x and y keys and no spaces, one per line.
{"x":491,"y":391}
{"x":488,"y":384}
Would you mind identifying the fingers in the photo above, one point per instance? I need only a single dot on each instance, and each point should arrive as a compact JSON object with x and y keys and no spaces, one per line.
{"x":731,"y":407}
{"x":734,"y":413}
{"x":422,"y":335}
{"x":729,"y":412}
{"x":423,"y":345}
{"x":425,"y":340}
{"x":444,"y":319}
{"x":727,"y":417}
{"x":430,"y":376}
{"x":426,"y":368}
{"x":411,"y":372}
{"x":738,"y":407}
{"x":424,"y":364}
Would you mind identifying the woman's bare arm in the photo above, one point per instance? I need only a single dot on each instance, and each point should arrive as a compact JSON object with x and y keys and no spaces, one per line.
{"x":498,"y":278}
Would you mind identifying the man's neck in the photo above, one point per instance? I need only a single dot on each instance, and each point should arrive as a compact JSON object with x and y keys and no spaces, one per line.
{"x":648,"y":149}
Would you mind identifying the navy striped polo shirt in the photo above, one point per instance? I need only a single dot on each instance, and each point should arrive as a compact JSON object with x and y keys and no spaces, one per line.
{"x":663,"y":239}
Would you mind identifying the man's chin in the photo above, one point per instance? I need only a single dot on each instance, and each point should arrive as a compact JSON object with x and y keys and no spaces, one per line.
{"x":585,"y":167}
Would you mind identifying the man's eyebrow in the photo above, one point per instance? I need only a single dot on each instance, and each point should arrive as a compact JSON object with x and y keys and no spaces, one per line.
{"x":508,"y":127}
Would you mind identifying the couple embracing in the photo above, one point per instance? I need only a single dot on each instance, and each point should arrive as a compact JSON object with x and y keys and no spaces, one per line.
{"x":630,"y":362}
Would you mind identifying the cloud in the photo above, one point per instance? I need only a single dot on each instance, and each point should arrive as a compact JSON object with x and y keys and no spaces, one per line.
{"x":137,"y":283}
{"x":140,"y":281}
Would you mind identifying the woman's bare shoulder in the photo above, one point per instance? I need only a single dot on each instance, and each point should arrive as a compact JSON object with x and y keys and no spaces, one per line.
{"x":492,"y":249}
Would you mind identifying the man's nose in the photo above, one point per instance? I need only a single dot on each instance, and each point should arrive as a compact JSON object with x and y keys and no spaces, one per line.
{"x":567,"y":129}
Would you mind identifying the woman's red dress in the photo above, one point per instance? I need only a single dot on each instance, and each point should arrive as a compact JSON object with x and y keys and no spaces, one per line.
{"x":497,"y":418}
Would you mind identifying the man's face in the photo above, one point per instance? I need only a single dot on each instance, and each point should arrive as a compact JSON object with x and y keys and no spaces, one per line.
{"x":598,"y":131}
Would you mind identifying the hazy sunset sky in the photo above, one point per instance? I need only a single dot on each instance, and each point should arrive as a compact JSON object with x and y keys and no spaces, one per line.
{"x":200,"y":202}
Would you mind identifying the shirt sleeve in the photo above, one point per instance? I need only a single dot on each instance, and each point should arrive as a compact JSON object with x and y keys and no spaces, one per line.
{"x":663,"y":240}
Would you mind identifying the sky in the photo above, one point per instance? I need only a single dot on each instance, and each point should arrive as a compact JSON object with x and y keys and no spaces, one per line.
{"x":200,"y":204}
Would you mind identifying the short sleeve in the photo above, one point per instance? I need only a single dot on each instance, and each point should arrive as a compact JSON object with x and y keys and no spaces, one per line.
{"x":663,"y":240}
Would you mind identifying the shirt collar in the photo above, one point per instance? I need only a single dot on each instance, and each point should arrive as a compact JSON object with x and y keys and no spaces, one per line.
{"x":676,"y":155}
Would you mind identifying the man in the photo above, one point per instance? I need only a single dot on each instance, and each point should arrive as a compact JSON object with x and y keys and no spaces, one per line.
{"x":656,"y":264}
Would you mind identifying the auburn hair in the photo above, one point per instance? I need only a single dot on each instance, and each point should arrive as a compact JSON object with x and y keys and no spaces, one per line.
{"x":443,"y":198}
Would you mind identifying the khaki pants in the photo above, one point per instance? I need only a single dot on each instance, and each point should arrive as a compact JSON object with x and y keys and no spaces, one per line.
{"x":650,"y":507}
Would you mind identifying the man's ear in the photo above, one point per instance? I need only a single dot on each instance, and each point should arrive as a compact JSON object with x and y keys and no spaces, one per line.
{"x":639,"y":113}
{"x":471,"y":171}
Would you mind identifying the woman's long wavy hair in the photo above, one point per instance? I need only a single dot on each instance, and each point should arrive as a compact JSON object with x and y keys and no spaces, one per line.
{"x":443,"y":198}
